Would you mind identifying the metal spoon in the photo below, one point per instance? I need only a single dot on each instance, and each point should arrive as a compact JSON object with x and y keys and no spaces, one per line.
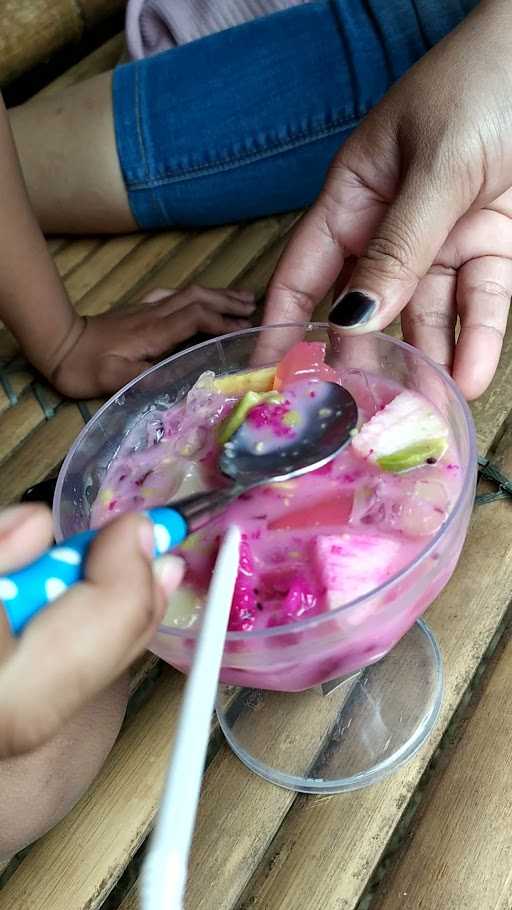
{"x":325,"y":431}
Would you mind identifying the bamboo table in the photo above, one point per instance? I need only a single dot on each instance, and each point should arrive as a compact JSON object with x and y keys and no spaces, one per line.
{"x":437,"y":834}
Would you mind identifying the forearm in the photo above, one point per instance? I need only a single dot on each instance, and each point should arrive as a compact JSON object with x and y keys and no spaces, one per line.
{"x":33,"y":301}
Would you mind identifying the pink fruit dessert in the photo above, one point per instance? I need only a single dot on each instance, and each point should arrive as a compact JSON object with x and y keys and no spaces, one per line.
{"x":312,"y":545}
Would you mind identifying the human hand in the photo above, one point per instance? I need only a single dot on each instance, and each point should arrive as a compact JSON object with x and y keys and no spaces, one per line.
{"x":420,"y":194}
{"x":84,"y":640}
{"x":115,"y":347}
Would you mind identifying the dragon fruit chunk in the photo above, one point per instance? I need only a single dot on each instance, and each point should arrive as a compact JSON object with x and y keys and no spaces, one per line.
{"x":243,"y":607}
{"x":300,"y":599}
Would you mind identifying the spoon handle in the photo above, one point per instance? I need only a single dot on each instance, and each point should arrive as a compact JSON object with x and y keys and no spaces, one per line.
{"x":27,"y":591}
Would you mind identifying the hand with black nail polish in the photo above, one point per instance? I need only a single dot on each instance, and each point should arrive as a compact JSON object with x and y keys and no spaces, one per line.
{"x":420,"y":199}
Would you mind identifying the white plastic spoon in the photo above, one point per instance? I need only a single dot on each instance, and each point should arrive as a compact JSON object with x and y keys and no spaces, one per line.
{"x":164,"y":873}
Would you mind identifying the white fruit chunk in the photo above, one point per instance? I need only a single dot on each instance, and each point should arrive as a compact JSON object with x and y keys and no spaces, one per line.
{"x":350,"y":565}
{"x":183,"y":609}
{"x":404,"y":435}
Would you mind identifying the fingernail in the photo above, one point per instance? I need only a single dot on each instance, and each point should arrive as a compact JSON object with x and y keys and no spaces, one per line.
{"x":354,"y":308}
{"x":147,"y":538}
{"x":169,"y":571}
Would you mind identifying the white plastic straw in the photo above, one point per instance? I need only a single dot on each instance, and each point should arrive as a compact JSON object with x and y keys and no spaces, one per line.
{"x":164,"y":874}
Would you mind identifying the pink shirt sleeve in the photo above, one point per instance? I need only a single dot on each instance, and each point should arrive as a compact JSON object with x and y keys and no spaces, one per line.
{"x":153,"y":26}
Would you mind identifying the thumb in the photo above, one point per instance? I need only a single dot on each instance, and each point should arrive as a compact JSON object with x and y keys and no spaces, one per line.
{"x":398,"y":255}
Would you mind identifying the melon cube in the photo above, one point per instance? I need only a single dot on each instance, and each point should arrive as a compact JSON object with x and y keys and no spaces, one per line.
{"x":349,"y":565}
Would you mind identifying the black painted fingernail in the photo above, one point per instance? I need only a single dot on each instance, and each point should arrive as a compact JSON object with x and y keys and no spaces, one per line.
{"x":355,"y":308}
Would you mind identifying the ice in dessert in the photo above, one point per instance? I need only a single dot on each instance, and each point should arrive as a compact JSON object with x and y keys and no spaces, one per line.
{"x":313,"y":544}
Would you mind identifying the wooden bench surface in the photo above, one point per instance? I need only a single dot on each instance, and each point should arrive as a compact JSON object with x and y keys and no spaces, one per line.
{"x":436,"y":834}
{"x":32,"y":30}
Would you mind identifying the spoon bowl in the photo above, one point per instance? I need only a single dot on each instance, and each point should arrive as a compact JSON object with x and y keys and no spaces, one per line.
{"x":327,"y":419}
{"x":254,"y":456}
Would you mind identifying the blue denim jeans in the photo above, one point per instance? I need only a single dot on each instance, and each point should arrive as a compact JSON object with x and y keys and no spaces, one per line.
{"x":245,"y":123}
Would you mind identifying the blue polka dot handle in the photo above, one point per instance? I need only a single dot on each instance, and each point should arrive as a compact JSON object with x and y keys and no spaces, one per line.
{"x":27,"y":591}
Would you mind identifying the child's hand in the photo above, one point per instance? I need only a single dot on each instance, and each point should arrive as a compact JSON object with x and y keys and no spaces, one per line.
{"x":85,"y":639}
{"x":115,"y":347}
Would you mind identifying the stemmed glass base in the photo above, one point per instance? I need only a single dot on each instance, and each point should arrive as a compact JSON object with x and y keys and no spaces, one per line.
{"x":346,"y":734}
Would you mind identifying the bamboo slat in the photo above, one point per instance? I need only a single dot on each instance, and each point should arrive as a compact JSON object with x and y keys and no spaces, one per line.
{"x":246,"y":248}
{"x":32,"y":30}
{"x":55,"y":244}
{"x":106,"y":257}
{"x":18,"y":422}
{"x":182,"y":268}
{"x":18,"y":380}
{"x":71,"y":255}
{"x":141,"y":670}
{"x":40,"y":453}
{"x":128,"y":279}
{"x":257,"y":277}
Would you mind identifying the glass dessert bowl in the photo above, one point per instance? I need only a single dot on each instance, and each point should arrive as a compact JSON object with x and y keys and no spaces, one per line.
{"x":315,"y":663}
